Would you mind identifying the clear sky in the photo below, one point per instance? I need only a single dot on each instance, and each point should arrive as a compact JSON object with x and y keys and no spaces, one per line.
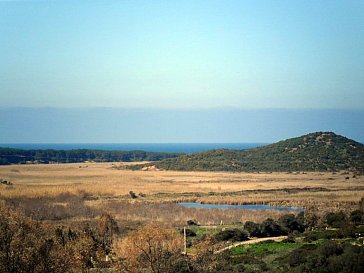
{"x":196,"y":55}
{"x":291,"y":54}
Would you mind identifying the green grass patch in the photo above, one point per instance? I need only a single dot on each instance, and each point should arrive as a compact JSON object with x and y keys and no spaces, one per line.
{"x":265,"y":248}
{"x":201,"y":230}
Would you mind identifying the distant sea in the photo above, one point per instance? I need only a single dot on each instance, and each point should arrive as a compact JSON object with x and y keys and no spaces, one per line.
{"x":148,"y":147}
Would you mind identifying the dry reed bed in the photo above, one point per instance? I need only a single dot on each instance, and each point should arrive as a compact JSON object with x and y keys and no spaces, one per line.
{"x":300,"y":199}
{"x":176,"y":215}
{"x":101,"y":180}
{"x":61,"y":207}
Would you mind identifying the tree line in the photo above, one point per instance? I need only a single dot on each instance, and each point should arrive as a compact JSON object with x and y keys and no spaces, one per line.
{"x":21,"y":156}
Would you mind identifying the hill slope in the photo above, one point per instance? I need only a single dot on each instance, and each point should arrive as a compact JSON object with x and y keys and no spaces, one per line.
{"x":320,"y":151}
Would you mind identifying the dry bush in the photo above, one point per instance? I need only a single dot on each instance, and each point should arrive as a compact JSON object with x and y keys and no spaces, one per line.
{"x":27,"y":246}
{"x":32,"y":246}
{"x":151,"y":248}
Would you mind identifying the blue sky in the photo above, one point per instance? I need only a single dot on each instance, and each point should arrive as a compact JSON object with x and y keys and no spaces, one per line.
{"x":182,"y":56}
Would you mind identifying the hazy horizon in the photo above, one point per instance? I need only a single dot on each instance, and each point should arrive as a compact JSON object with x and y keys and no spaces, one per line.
{"x":121,"y":125}
{"x":180,"y":71}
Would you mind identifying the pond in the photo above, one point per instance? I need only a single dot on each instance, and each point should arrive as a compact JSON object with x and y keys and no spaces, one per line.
{"x":223,"y":206}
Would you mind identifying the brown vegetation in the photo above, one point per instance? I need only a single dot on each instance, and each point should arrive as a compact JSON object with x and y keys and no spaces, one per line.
{"x":31,"y":246}
{"x":68,"y":192}
{"x":152,"y":248}
{"x":174,"y":215}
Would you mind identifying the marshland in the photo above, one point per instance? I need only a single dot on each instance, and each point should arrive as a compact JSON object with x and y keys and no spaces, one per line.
{"x":84,"y":190}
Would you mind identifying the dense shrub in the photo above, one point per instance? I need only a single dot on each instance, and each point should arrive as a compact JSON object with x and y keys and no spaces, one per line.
{"x":189,"y":232}
{"x":191,"y":222}
{"x":231,"y":235}
{"x":253,"y":229}
{"x":287,"y":223}
{"x":312,"y":236}
{"x":272,"y":228}
{"x":299,"y":256}
{"x":292,"y":223}
{"x":330,"y":257}
{"x":336,"y":219}
{"x":357,"y":217}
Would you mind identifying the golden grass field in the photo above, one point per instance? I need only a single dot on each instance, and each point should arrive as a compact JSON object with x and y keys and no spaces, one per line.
{"x":103,"y":180}
{"x":109,"y":186}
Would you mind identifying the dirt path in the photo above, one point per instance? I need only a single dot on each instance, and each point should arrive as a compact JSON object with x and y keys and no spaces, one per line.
{"x":254,"y":241}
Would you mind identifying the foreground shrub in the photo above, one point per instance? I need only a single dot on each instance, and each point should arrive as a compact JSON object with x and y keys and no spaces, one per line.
{"x":330,"y":257}
{"x":31,"y":246}
{"x":151,"y":249}
{"x":26,"y":247}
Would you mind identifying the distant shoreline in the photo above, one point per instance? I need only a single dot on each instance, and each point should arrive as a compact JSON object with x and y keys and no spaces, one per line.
{"x":147,"y":147}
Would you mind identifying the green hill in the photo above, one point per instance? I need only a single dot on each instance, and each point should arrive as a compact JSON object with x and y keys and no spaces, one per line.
{"x":320,"y":151}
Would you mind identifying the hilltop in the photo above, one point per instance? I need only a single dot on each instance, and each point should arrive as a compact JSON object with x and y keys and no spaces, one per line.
{"x":319,"y":151}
